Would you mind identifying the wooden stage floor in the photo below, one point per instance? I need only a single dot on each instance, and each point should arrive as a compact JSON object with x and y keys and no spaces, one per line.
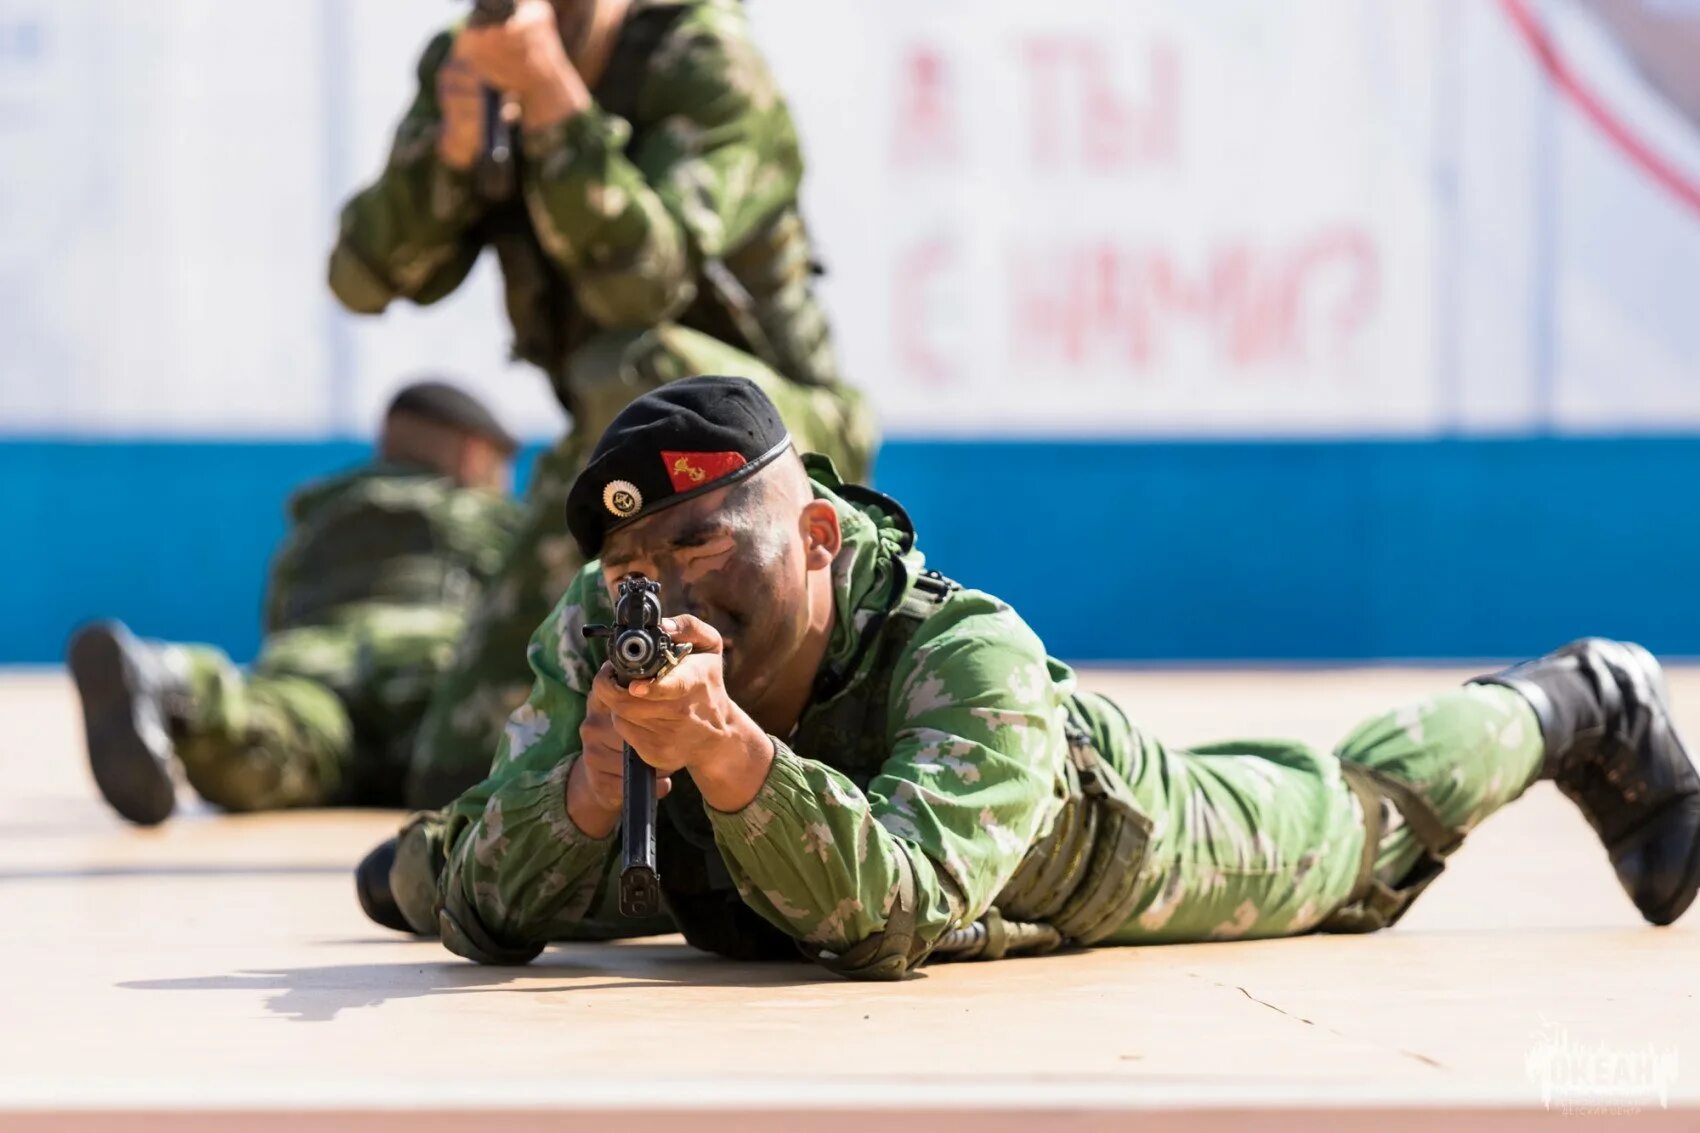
{"x":217,"y":974}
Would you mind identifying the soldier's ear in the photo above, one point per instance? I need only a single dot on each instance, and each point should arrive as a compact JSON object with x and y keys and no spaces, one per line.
{"x":822,"y":537}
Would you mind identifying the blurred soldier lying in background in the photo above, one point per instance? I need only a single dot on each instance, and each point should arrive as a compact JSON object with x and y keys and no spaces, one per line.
{"x":865,"y":764}
{"x":367,"y":597}
{"x":648,"y":228}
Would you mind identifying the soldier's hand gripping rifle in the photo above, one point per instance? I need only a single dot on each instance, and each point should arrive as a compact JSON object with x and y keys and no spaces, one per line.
{"x":638,"y":649}
{"x":495,"y":177}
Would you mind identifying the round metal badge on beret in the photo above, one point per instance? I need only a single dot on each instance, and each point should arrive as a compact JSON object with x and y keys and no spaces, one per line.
{"x":622,"y":498}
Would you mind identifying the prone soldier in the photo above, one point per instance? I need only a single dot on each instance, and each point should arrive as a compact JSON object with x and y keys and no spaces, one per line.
{"x":368,"y":594}
{"x":868,"y":765}
{"x":653,"y":231}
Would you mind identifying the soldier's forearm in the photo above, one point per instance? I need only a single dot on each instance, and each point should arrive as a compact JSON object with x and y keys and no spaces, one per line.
{"x":558,"y":95}
{"x":809,"y":856}
{"x":603,"y":223}
{"x":593,"y":817}
{"x":519,"y":873}
{"x":734,"y":779}
{"x":406,"y":235}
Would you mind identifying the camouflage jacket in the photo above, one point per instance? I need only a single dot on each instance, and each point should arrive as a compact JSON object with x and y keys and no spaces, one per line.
{"x":386,"y":535}
{"x":927,"y":816}
{"x":673,"y":197}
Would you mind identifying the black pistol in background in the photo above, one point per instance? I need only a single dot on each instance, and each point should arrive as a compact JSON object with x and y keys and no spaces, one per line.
{"x":495,"y":177}
{"x":638,"y":649}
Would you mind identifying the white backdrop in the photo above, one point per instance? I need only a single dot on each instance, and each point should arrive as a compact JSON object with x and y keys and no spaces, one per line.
{"x":1196,"y":217}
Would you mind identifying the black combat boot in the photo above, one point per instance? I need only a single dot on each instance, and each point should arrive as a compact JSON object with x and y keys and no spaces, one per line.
{"x":128,"y":694}
{"x":1612,"y":748}
{"x":372,"y":886}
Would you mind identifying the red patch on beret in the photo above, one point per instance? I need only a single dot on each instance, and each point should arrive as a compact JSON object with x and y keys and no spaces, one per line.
{"x":690,"y":470}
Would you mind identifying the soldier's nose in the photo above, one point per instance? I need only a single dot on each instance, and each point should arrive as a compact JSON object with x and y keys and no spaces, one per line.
{"x":675,"y":592}
{"x":676,"y":598}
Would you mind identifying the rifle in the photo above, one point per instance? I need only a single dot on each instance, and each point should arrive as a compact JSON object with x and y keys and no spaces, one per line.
{"x":639,"y":649}
{"x":495,"y":177}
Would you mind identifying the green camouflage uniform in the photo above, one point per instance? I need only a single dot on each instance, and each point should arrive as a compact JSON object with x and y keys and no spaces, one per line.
{"x":656,"y":236}
{"x":367,"y":597}
{"x":948,"y":772}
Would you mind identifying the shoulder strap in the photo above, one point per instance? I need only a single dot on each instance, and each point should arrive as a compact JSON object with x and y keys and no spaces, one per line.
{"x":622,"y":82}
{"x":851,"y":707}
{"x":1373,"y":904}
{"x":926,"y":594}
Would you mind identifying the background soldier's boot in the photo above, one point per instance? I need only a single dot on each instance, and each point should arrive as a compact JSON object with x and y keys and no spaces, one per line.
{"x":126,"y":690}
{"x":1613,"y":750}
{"x":372,"y":885}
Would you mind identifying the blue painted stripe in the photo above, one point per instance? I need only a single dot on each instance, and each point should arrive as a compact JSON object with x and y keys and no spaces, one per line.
{"x":1179,"y":551}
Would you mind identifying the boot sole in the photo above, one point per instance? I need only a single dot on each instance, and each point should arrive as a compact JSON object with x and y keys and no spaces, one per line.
{"x":1671,"y":910}
{"x":130,"y":774}
{"x":1682,"y":897}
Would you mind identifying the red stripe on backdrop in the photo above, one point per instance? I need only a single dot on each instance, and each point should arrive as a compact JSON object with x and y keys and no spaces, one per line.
{"x":1675,"y":181}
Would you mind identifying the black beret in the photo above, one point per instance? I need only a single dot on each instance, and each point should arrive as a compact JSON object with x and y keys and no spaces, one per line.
{"x":452,"y":406}
{"x":688,"y":437}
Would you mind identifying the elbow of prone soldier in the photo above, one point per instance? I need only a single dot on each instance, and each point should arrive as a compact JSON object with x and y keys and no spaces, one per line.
{"x":878,"y":973}
{"x":472,"y":942}
{"x":870,"y":960}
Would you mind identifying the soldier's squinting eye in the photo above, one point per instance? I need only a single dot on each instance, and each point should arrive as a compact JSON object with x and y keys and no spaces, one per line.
{"x":707,"y":549}
{"x":697,"y":550}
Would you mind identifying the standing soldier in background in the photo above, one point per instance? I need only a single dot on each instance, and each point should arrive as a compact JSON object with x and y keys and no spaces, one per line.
{"x":652,"y":233}
{"x":368,"y":595}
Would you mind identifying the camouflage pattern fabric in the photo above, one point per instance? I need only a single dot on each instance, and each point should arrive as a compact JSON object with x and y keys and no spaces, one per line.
{"x":927,"y":820}
{"x":1258,"y":839}
{"x":328,"y":711}
{"x":490,"y":676}
{"x":673,"y":198}
{"x":658,"y":236}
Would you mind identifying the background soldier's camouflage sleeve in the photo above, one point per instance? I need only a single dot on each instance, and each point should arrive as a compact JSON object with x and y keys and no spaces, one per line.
{"x":519,"y":872}
{"x":630,"y":229}
{"x":409,"y":233}
{"x":976,"y":752}
{"x":486,"y":524}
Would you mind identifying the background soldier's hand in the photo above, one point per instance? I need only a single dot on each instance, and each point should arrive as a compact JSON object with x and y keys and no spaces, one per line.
{"x":524,"y":56}
{"x":597,"y":782}
{"x":460,"y":98}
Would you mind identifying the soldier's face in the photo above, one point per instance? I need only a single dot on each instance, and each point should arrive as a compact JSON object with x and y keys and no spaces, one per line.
{"x":483,"y":465}
{"x":737,"y":559}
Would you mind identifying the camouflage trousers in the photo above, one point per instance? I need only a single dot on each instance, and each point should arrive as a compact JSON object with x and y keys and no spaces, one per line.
{"x":490,"y":677}
{"x":325,"y":716}
{"x":1260,"y":839}
{"x":262,"y":740}
{"x":1249,"y":838}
